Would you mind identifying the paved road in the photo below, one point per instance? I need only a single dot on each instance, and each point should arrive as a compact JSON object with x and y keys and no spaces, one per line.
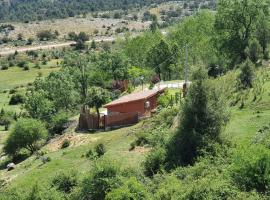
{"x":8,"y":51}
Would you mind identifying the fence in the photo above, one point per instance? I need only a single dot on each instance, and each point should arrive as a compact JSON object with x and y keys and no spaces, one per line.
{"x":121,"y":119}
{"x":89,"y":121}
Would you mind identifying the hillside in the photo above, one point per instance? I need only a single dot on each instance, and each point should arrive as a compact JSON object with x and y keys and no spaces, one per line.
{"x":24,"y":10}
{"x":242,"y":129}
{"x":93,"y":121}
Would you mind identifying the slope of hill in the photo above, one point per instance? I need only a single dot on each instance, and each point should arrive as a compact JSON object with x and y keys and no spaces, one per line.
{"x":47,"y":9}
{"x":243,"y":127}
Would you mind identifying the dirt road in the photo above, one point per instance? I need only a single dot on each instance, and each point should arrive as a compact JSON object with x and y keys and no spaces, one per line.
{"x":9,"y":51}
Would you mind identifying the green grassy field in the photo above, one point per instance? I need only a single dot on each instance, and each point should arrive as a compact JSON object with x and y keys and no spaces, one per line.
{"x":15,"y":76}
{"x":117,"y":144}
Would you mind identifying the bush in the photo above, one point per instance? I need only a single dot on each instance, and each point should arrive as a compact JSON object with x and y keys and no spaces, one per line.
{"x":251,"y":169}
{"x":100,"y":150}
{"x":90,"y":154}
{"x":131,"y":189}
{"x":154,"y":162}
{"x":65,"y":182}
{"x":103,"y":178}
{"x":164,"y":100}
{"x":4,"y":67}
{"x":16,"y":99}
{"x":59,"y":122}
{"x":26,"y":68}
{"x":22,"y":64}
{"x":65,"y":144}
{"x":26,"y":134}
{"x":246,"y":75}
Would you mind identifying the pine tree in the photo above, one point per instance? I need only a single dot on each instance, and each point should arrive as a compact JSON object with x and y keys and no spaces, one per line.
{"x":202,"y":118}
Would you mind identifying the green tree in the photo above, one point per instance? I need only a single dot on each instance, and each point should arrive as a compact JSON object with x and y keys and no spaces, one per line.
{"x":80,"y":40}
{"x":159,"y":59}
{"x":59,"y":88}
{"x":45,"y":35}
{"x":93,"y":44}
{"x":236,"y":23}
{"x":263,"y":35}
{"x":26,"y":134}
{"x":38,"y":106}
{"x":96,"y":98}
{"x":202,"y":117}
{"x":246,"y":75}
{"x":254,"y":50}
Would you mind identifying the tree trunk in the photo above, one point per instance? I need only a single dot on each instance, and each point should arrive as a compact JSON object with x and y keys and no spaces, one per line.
{"x":98,"y":114}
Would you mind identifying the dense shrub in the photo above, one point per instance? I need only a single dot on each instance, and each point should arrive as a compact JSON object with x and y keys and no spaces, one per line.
{"x":251,"y":169}
{"x":26,"y":134}
{"x":59,"y":122}
{"x":100,"y":150}
{"x":16,"y":99}
{"x":6,"y":117}
{"x":202,"y":118}
{"x":65,"y":181}
{"x":103,"y":178}
{"x":154,"y":162}
{"x":65,"y":144}
{"x":246,"y":75}
{"x":131,"y":189}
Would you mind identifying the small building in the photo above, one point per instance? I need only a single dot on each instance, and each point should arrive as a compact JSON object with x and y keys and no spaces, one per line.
{"x":143,"y":103}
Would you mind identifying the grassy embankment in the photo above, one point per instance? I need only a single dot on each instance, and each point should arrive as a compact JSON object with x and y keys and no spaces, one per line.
{"x":241,"y":129}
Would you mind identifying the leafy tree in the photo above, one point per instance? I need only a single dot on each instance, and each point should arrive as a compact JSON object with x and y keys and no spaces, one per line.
{"x":202,"y":118}
{"x":80,"y":40}
{"x":6,"y":118}
{"x":25,"y":134}
{"x":263,"y":35}
{"x":115,"y":64}
{"x":39,"y":106}
{"x":236,"y":22}
{"x":58,"y":88}
{"x":154,"y":25}
{"x":135,"y":73}
{"x":58,"y":122}
{"x":93,"y":44}
{"x":45,"y":35}
{"x":159,"y":59}
{"x":246,"y":75}
{"x":97,"y":97}
{"x":254,"y":50}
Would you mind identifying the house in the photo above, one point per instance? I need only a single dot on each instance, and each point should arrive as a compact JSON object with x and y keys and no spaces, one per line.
{"x":126,"y":110}
{"x":143,"y":103}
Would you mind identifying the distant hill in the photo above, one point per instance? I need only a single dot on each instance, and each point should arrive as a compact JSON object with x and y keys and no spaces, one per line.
{"x":28,"y":10}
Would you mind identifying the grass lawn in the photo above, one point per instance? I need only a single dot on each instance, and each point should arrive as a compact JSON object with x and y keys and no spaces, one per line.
{"x":117,"y":143}
{"x":15,"y":76}
{"x":3,"y":135}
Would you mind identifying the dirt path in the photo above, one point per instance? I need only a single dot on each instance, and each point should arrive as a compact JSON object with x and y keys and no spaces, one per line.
{"x":8,"y":51}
